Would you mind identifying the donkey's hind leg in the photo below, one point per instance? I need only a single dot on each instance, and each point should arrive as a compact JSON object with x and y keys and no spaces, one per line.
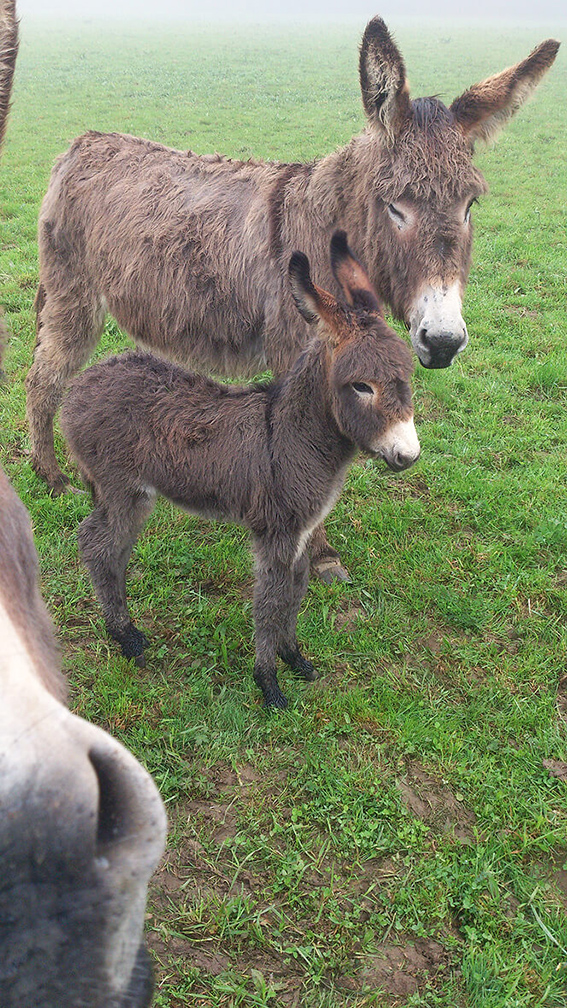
{"x":325,"y":561}
{"x":68,"y":328}
{"x":288,"y":648}
{"x":106,"y":538}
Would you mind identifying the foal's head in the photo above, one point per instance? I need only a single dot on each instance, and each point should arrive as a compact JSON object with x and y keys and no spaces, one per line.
{"x":368,"y":365}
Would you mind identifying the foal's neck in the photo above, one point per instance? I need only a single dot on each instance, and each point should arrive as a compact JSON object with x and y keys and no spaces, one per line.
{"x":302,"y":418}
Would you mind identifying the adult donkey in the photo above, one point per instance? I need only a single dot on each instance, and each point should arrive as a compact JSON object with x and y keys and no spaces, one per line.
{"x":82,"y":825}
{"x":189,"y":253}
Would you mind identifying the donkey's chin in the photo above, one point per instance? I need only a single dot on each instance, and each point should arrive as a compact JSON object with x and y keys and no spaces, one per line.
{"x":436,"y":352}
{"x":438,"y":362}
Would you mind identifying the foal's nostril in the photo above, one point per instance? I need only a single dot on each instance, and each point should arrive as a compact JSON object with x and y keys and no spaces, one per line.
{"x":403,"y":460}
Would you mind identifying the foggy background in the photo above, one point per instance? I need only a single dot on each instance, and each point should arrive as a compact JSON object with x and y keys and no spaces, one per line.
{"x":231,"y":11}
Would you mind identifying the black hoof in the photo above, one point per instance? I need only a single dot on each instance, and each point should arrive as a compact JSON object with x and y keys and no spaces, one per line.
{"x":268,"y":683}
{"x":329,"y":569}
{"x":308,"y":672}
{"x":298,"y":664}
{"x":273,"y":698}
{"x":132,"y":642}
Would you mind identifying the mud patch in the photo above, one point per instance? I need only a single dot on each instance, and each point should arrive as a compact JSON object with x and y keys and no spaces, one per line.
{"x":400,"y":970}
{"x":348,"y":615}
{"x":434,"y":803}
{"x":553,"y":871}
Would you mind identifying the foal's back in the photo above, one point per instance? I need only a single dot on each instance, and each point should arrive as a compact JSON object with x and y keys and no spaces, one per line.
{"x":136,"y":422}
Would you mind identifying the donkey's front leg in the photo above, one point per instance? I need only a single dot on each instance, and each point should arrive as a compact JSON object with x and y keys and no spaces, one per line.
{"x":325,"y":561}
{"x":273,"y":607}
{"x":289,"y":650}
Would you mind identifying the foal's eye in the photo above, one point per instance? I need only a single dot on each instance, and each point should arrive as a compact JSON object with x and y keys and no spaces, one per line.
{"x":396,"y":214}
{"x":468,"y":210}
{"x":362,"y":389}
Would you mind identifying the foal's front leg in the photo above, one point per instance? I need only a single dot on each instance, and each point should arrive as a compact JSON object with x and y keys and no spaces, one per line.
{"x":272,"y":600}
{"x":289,"y":650}
{"x":278,"y":591}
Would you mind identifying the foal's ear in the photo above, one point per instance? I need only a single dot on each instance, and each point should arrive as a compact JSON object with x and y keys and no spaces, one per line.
{"x":351,"y":276}
{"x":485,"y":108}
{"x":383,"y":82}
{"x":305,"y":294}
{"x":314,"y":303}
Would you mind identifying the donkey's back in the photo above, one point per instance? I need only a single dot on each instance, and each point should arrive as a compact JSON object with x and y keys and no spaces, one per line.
{"x":138,"y":426}
{"x":123,"y":213}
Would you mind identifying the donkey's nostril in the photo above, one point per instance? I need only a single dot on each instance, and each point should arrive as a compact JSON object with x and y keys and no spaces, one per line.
{"x":403,"y":459}
{"x":111,"y":800}
{"x":439,"y":348}
{"x":128,"y":812}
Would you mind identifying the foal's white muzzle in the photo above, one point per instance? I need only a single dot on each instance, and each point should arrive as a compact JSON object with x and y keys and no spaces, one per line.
{"x":399,"y":445}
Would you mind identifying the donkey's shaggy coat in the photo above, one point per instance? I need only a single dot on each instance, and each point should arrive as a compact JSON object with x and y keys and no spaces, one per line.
{"x":271,"y":457}
{"x":189,"y":253}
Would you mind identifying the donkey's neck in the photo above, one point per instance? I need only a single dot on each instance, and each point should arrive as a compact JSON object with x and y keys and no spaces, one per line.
{"x":339,"y":191}
{"x":303,"y":429}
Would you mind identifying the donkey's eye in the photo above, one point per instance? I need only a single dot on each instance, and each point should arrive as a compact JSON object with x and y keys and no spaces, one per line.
{"x":396,"y":214}
{"x":362,"y":389}
{"x":468,"y":210}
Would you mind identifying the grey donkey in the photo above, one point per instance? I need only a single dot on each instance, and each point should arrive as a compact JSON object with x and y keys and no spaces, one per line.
{"x":271,"y":457}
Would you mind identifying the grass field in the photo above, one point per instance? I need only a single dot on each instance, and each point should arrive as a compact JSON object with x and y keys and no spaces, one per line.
{"x":396,"y":837}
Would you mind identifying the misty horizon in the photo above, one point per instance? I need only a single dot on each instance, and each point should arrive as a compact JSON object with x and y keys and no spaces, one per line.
{"x":295,"y":11}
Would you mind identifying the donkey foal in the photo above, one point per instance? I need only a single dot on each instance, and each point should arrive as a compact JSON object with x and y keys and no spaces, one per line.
{"x":271,"y":457}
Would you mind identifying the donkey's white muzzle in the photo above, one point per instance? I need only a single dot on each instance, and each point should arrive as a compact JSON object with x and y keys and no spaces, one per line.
{"x":399,"y":445}
{"x":437,"y":328}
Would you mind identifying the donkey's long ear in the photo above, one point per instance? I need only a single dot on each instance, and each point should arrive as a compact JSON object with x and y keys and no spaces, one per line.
{"x":314,"y":303}
{"x":8,"y":53}
{"x":303,"y":289}
{"x":351,"y":276}
{"x":385,"y":92}
{"x":485,"y":108}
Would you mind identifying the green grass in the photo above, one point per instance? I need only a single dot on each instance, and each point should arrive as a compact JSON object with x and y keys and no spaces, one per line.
{"x":392,"y":838}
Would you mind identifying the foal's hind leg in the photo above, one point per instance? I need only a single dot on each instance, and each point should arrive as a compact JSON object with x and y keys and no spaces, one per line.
{"x":106,"y":538}
{"x":68,"y":329}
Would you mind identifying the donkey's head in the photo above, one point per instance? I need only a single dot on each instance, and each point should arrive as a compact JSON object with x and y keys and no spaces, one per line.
{"x":425,"y":184}
{"x":369,"y":366}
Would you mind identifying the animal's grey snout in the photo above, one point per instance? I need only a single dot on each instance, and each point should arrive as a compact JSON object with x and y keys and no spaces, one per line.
{"x":401,"y":459}
{"x":399,"y":446}
{"x":437,"y":328}
{"x":437,"y":349}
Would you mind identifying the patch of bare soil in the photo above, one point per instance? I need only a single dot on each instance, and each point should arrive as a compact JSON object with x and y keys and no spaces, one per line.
{"x":198,"y":878}
{"x":400,"y":969}
{"x":225,"y":583}
{"x":433,"y":802}
{"x":348,"y":614}
{"x":553,"y":870}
